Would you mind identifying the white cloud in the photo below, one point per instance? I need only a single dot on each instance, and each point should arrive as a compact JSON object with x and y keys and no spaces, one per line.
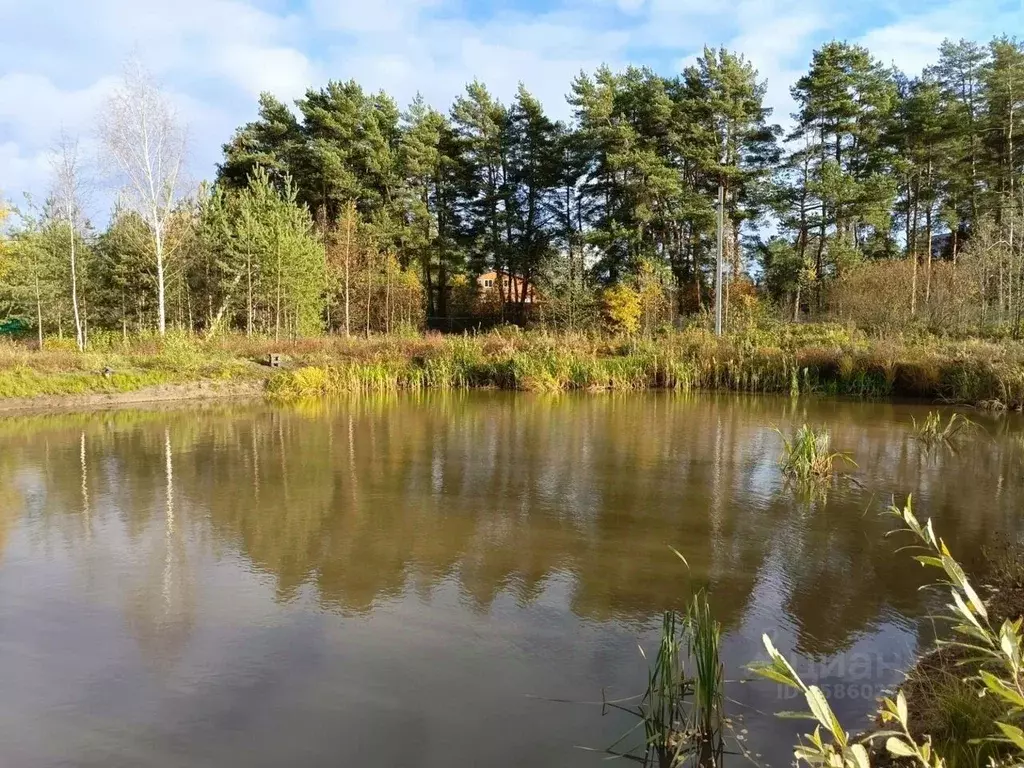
{"x":908,"y":45}
{"x":213,"y":57}
{"x":285,"y":72}
{"x":33,"y":109}
{"x":776,"y":37}
{"x":22,"y":172}
{"x":779,"y":45}
{"x":437,"y":57}
{"x":631,"y":6}
{"x":360,"y":16}
{"x":910,"y":40}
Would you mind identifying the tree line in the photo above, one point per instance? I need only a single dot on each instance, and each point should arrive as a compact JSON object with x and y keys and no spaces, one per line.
{"x":345,"y":213}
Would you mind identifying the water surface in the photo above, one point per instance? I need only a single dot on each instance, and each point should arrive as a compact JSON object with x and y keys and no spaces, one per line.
{"x":409,"y":581}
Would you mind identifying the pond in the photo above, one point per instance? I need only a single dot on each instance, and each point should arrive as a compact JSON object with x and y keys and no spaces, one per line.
{"x":448,"y":580}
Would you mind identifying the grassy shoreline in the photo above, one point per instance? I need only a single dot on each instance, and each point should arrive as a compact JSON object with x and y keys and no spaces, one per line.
{"x":818,"y":359}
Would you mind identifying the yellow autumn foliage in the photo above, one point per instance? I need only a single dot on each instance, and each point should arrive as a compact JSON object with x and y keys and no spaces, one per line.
{"x":621,"y":307}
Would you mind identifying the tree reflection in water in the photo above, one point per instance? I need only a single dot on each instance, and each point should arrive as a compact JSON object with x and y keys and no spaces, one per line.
{"x":366,"y":500}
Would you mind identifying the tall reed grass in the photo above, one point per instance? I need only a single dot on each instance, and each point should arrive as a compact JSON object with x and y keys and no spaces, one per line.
{"x":817,"y":360}
{"x":682,"y":709}
{"x":787,"y":359}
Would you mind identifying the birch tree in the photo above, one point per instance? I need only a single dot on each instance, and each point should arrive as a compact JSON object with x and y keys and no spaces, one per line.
{"x":67,"y":200}
{"x":146,"y":143}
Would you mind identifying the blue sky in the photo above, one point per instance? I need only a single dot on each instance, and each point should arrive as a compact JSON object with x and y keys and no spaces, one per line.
{"x":59,"y":58}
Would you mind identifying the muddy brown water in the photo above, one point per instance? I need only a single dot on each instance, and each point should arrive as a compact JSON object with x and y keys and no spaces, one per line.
{"x":413,"y":580}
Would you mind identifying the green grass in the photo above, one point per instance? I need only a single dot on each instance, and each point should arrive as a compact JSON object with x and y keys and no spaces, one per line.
{"x":25,"y":382}
{"x":786,"y":359}
{"x":61,"y":370}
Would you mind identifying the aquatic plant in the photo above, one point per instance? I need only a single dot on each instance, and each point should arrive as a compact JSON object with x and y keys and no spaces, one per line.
{"x":807,"y":458}
{"x":831,"y":745}
{"x":682,"y":713}
{"x":662,"y":710}
{"x":932,"y":431}
{"x":704,"y":640}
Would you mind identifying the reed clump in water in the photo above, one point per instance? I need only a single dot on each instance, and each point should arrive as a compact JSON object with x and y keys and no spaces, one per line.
{"x":704,"y":642}
{"x":807,"y":456}
{"x":682,"y":710}
{"x":662,"y":710}
{"x":932,"y":431}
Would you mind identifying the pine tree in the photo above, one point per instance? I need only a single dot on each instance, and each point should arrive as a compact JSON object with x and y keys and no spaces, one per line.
{"x":734,"y":145}
{"x":285,"y":256}
{"x":961,"y":75}
{"x":845,"y":107}
{"x":219,"y":269}
{"x":274,"y":142}
{"x":924,"y":160}
{"x":482,"y":127}
{"x":625,"y":127}
{"x":569,"y":210}
{"x":1004,"y":120}
{"x":534,"y":171}
{"x":1004,"y":87}
{"x":600,"y":137}
{"x":124,"y":285}
{"x":38,"y":278}
{"x":333,"y":129}
{"x":434,"y":178}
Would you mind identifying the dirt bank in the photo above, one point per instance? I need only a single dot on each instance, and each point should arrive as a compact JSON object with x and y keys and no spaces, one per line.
{"x":192,"y":390}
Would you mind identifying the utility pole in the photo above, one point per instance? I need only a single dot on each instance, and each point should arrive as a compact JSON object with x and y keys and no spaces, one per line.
{"x":718,"y":260}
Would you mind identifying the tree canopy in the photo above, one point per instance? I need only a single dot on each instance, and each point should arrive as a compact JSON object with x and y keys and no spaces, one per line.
{"x":344,"y":212}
